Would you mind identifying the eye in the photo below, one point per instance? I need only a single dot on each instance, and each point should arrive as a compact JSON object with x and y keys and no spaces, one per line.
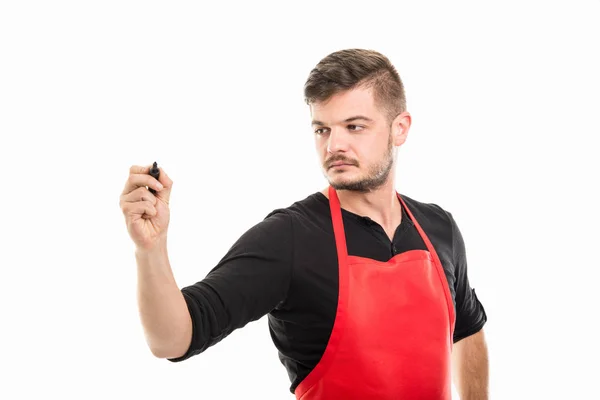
{"x":355,"y":127}
{"x":320,"y":131}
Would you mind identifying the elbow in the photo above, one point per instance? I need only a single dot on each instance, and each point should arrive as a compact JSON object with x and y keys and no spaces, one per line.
{"x":171,"y":348}
{"x":166,"y":353}
{"x":158,"y":353}
{"x":174,"y":349}
{"x":169,"y":351}
{"x":175,"y":344}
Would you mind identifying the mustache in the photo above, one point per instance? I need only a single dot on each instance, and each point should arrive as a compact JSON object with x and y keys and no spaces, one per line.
{"x":339,"y":158}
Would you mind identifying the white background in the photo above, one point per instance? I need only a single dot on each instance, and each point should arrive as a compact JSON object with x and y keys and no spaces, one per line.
{"x":504,"y":99}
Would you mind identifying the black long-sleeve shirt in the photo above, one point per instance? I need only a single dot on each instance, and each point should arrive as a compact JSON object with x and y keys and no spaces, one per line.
{"x":286,"y":266}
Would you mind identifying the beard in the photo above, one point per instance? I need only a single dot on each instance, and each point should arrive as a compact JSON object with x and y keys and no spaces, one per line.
{"x":376,"y":176}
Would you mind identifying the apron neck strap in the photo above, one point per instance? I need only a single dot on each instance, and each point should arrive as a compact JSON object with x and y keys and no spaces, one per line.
{"x":338,"y":225}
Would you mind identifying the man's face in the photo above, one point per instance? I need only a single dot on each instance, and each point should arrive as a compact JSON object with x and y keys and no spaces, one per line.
{"x":354,"y":140}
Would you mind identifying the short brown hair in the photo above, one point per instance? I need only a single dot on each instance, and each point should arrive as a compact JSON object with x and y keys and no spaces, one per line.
{"x":351,"y":68}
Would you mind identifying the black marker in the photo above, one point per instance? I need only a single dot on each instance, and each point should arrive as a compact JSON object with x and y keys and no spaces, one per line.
{"x":154,"y":172}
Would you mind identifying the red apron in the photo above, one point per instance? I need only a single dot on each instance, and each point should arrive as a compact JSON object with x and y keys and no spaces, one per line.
{"x":392,"y":335}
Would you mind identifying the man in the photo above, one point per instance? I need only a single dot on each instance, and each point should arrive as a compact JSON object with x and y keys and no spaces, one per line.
{"x":366,"y":290}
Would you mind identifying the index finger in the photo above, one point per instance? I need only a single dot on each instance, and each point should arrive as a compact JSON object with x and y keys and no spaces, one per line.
{"x":140,"y":169}
{"x":136,"y":170}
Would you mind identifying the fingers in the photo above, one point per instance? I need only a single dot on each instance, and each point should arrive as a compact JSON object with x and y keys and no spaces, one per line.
{"x":139,"y":169}
{"x":131,"y":209}
{"x":139,"y":194}
{"x":139,"y":177}
{"x":164,"y":178}
{"x":167,"y":183}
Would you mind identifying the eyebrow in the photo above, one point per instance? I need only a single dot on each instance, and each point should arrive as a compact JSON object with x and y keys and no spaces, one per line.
{"x":315,"y":122}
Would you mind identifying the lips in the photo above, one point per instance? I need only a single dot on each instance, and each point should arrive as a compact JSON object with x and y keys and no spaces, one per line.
{"x":339,"y":164}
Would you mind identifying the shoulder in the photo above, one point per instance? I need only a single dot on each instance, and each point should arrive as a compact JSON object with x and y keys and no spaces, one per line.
{"x":438,"y":224}
{"x":278,"y":225}
{"x":310,"y":209}
{"x":428,"y":213}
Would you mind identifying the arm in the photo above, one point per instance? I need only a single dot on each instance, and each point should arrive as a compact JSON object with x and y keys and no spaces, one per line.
{"x":469,"y":353}
{"x":162,"y":307}
{"x":470,"y":367}
{"x":250,"y":281}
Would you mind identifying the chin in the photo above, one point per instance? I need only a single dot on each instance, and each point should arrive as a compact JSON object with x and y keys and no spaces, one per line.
{"x":356,"y":183}
{"x":343,"y":182}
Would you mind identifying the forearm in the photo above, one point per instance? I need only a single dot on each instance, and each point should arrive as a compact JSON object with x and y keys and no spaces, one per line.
{"x":163,"y":311}
{"x":470,"y":367}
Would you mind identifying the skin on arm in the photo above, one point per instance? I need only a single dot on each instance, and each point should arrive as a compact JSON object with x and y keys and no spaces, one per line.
{"x":163,"y":311}
{"x":469,"y":353}
{"x":470,"y":367}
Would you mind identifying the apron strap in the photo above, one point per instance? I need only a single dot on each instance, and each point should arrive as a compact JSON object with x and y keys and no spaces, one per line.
{"x":338,"y":226}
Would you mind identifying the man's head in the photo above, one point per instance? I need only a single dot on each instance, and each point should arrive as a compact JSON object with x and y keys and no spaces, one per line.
{"x":358,"y":108}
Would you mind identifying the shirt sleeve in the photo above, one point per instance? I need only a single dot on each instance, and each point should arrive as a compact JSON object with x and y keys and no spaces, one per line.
{"x":249,"y":281}
{"x":470,"y":314}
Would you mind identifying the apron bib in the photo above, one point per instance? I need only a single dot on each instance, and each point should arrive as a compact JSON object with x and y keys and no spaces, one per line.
{"x":392,"y":335}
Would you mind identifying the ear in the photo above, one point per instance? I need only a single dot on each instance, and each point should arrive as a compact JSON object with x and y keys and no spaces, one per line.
{"x":400,"y":127}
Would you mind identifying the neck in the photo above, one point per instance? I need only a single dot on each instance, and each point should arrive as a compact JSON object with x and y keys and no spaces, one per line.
{"x":381,"y":204}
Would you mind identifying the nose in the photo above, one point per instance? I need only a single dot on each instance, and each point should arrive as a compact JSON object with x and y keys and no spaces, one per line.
{"x":337,"y":141}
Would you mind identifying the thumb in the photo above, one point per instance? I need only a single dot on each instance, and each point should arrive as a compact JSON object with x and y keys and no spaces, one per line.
{"x":165,"y":193}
